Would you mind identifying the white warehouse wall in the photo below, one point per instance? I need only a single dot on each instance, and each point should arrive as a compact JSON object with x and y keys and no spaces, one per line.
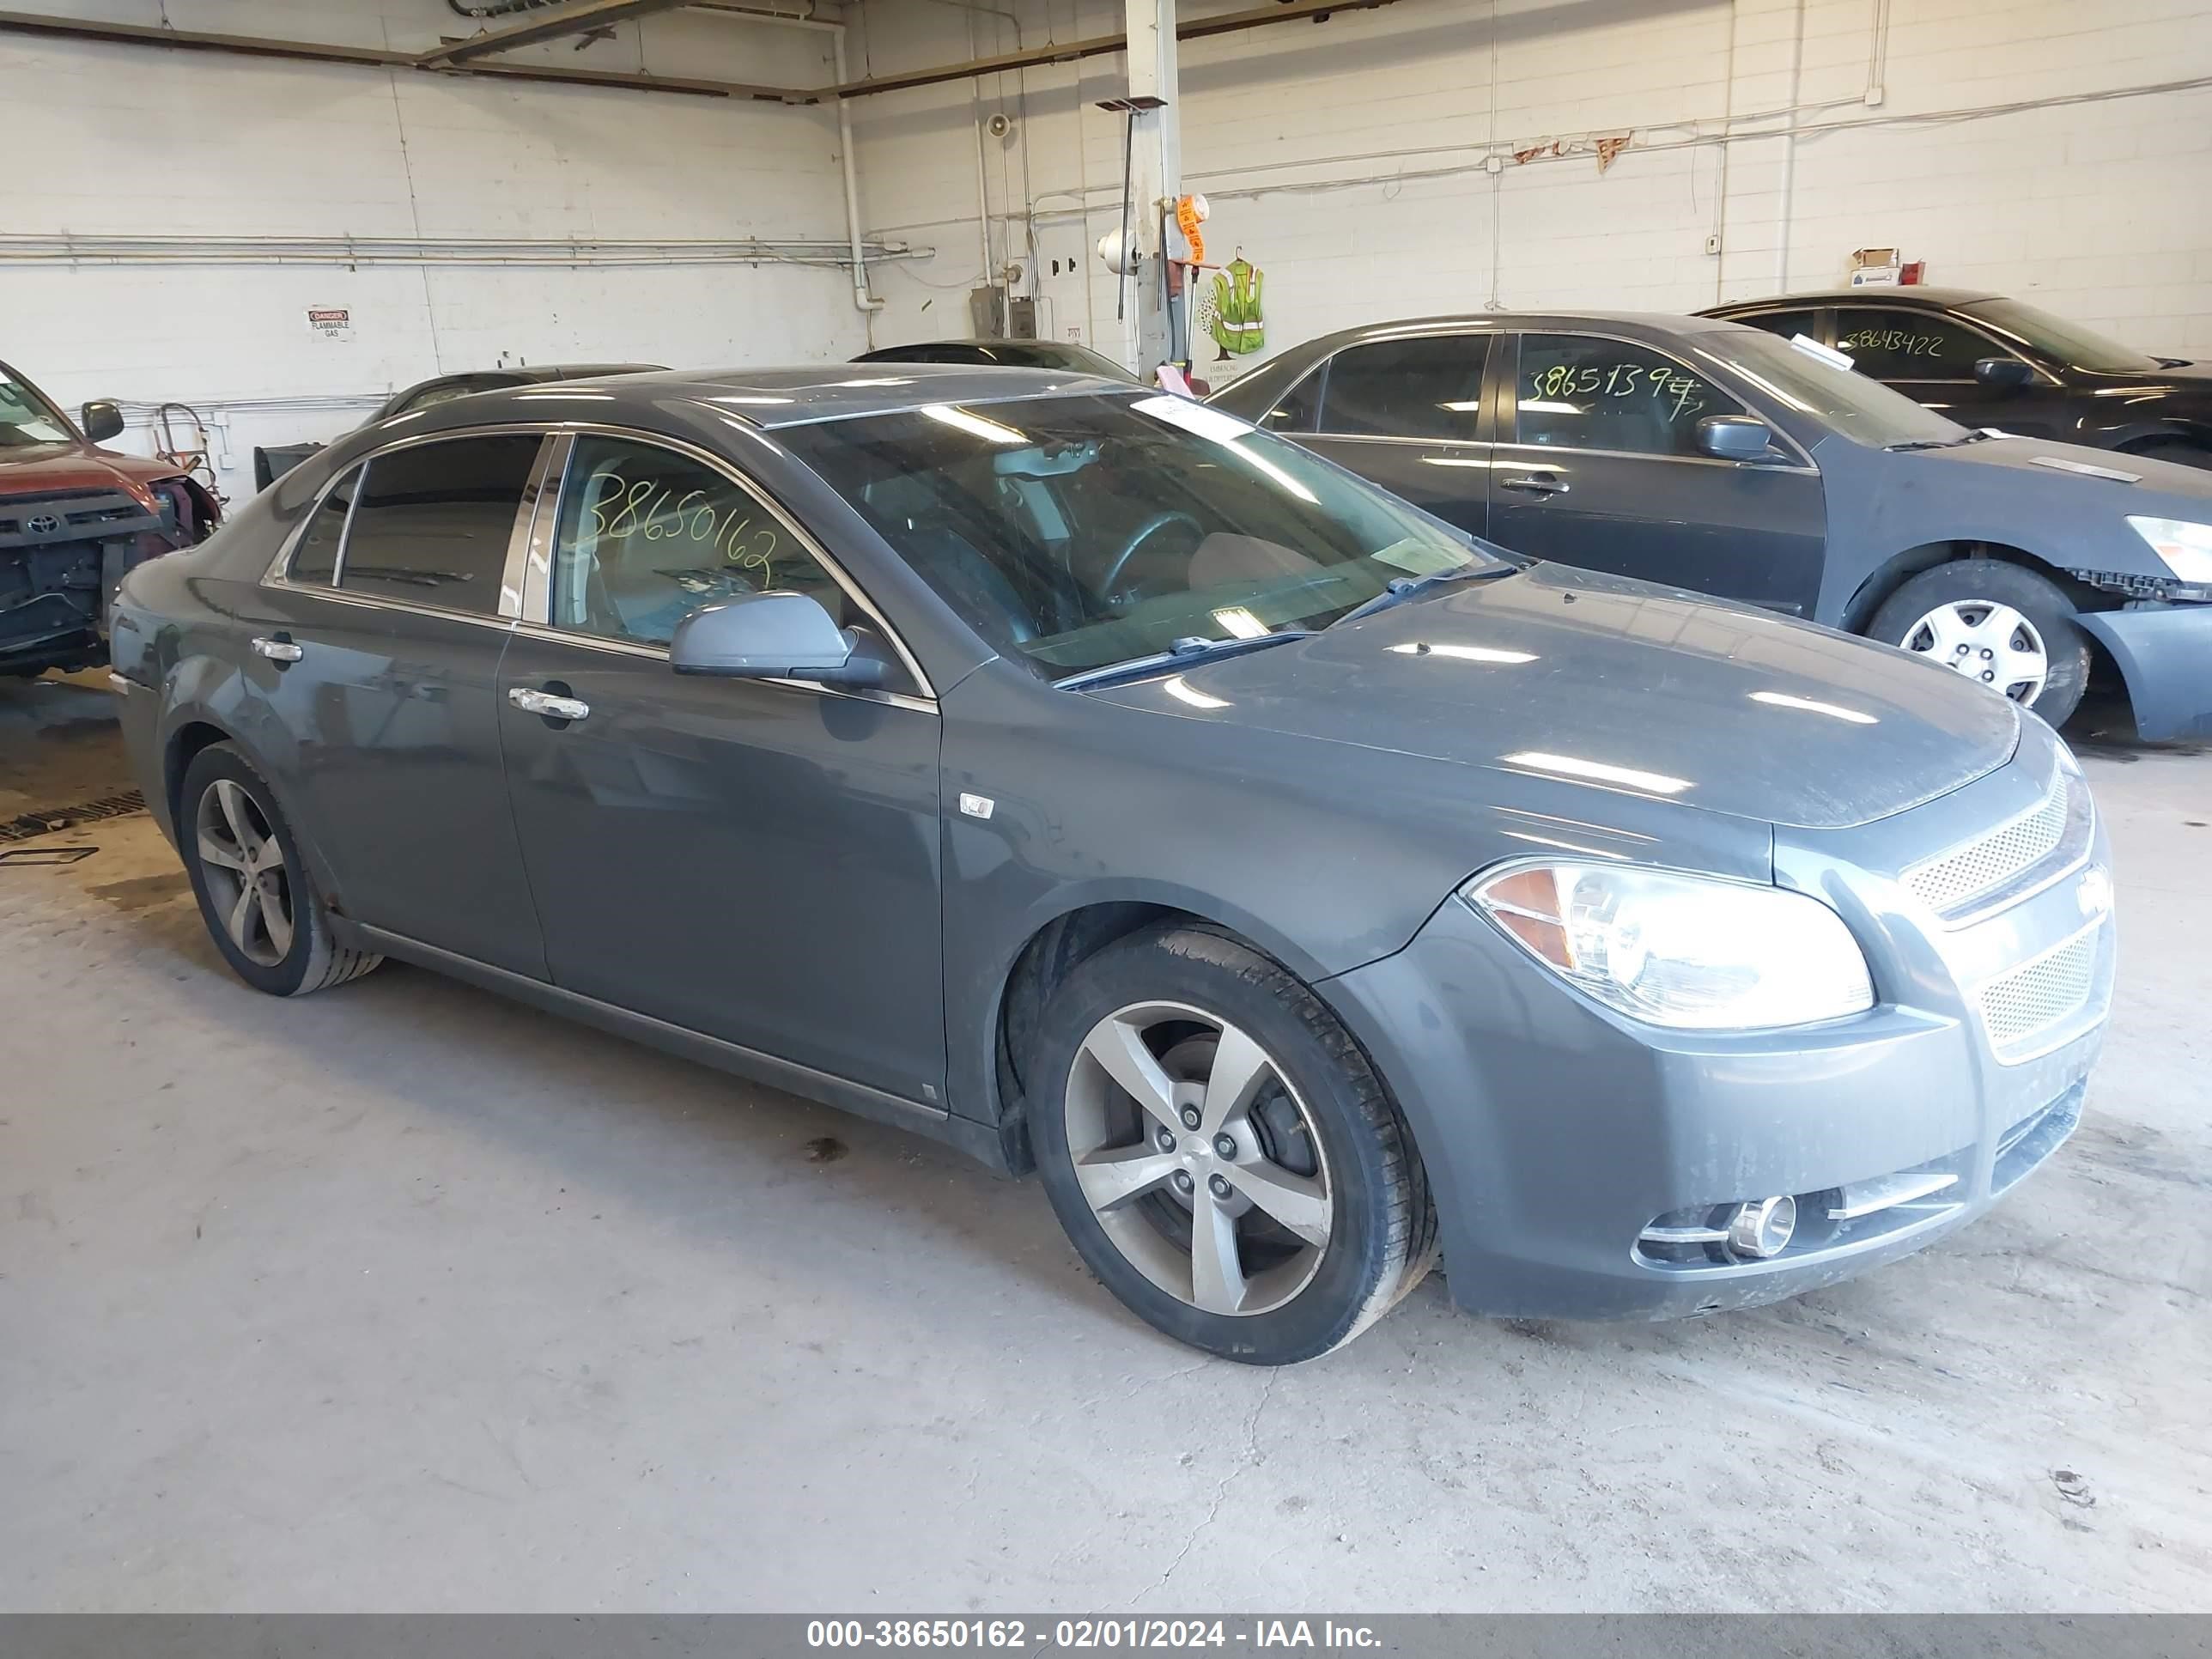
{"x":122,"y":139}
{"x":1983,"y":136}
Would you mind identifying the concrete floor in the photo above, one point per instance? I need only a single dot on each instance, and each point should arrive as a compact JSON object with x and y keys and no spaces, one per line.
{"x":405,"y":1298}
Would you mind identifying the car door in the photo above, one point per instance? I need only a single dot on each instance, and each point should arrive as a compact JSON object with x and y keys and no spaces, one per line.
{"x":755,"y":860}
{"x":1930,"y":357}
{"x":380,"y":645}
{"x":1403,"y":410}
{"x":1604,"y":471}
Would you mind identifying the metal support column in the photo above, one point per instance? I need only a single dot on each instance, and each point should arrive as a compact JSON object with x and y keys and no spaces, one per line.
{"x":1157,"y":178}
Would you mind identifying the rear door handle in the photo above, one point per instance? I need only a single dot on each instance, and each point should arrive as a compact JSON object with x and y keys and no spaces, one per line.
{"x":279,"y":649}
{"x":1535,"y":483}
{"x":550,"y":705}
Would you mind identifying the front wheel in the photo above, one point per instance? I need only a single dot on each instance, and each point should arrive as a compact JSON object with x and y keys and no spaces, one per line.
{"x":2007,"y":627}
{"x":1220,"y":1152}
{"x":254,"y":892}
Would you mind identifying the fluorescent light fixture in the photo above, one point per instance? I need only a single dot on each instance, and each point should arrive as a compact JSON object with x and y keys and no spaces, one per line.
{"x":975,"y":425}
{"x":1463,"y":653}
{"x":1814,"y":706}
{"x":1241,"y":623}
{"x":1176,"y":687}
{"x":1572,"y":766}
{"x":1545,"y":406}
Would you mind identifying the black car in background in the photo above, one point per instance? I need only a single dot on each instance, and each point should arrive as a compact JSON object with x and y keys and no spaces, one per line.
{"x":1710,"y":455}
{"x":271,"y":464}
{"x":1056,"y":356}
{"x":1987,"y":360}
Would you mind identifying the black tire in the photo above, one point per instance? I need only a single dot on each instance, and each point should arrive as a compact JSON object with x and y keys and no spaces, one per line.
{"x":1383,"y":1237}
{"x":311,"y":960}
{"x":2037,"y":598}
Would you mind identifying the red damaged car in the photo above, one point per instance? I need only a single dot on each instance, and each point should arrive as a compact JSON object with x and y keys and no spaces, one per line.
{"x":74,"y":518}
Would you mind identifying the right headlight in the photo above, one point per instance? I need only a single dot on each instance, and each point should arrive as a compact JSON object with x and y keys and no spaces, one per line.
{"x":1681,"y":950}
{"x":2185,"y":547}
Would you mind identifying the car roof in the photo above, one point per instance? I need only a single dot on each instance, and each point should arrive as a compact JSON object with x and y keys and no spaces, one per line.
{"x":1909,"y":293}
{"x":772,"y":398}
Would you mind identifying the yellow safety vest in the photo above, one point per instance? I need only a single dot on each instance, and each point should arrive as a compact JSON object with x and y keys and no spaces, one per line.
{"x":1237,"y":328}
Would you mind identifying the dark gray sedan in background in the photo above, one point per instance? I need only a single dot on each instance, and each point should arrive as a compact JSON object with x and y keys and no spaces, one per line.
{"x":1715,"y":457}
{"x":1086,"y":778}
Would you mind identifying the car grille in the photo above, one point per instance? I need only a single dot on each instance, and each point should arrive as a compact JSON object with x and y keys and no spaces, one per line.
{"x":1998,"y":868}
{"x":40,"y":520}
{"x":2023,"y":1003}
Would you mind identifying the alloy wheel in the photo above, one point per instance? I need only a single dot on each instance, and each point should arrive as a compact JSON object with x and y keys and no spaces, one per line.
{"x":1985,"y":640}
{"x":1198,"y":1160}
{"x":248,"y":882}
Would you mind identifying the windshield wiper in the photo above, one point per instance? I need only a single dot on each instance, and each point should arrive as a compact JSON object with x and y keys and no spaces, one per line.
{"x":1974,"y":437}
{"x":1401,"y":588}
{"x":1181,"y":654}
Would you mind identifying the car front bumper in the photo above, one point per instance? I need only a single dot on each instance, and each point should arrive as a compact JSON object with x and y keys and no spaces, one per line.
{"x":2164,"y":653}
{"x":1556,"y":1132}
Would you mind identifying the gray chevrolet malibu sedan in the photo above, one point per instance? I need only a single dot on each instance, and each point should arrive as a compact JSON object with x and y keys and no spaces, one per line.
{"x":1091,"y":780}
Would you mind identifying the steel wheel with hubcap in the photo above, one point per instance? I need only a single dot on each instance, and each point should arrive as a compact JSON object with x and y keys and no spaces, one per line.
{"x":2000,"y":624}
{"x":255,"y":891}
{"x":1219,"y":1151}
{"x":1987,"y":641}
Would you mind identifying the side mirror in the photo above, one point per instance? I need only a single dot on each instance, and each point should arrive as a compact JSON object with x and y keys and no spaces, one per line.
{"x":101,"y":419}
{"x":1733,"y":437}
{"x":776,"y":635}
{"x":2003,"y":373}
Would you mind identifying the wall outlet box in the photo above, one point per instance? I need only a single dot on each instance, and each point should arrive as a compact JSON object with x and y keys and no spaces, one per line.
{"x":1493,"y":163}
{"x":1713,"y":243}
{"x":1874,"y":97}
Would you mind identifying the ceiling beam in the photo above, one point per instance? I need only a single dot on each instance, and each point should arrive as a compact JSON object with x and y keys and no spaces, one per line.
{"x":538,"y":26}
{"x":1098,"y":46}
{"x":314,"y":51}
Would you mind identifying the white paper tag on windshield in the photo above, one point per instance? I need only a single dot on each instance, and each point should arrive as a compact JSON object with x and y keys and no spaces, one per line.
{"x":1207,"y":423}
{"x":1828,"y":354}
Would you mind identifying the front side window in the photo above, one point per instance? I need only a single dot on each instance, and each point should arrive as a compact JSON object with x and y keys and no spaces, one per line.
{"x":1430,"y":386}
{"x":27,"y":418}
{"x":1909,"y":346}
{"x":1841,"y":399}
{"x":315,"y":560}
{"x":1578,"y":392}
{"x":433,"y":522}
{"x":1081,"y":532}
{"x":648,"y":535}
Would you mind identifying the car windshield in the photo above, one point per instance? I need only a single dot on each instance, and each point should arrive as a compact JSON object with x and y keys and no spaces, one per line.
{"x":1081,"y":532}
{"x":27,"y":418}
{"x":2054,"y":337}
{"x":1843,"y":398}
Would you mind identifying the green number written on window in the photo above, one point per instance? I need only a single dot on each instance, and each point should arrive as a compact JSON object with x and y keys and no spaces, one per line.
{"x":652,"y":511}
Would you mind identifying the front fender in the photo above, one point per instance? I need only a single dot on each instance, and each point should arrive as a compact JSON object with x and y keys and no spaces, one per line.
{"x":2161,"y":652}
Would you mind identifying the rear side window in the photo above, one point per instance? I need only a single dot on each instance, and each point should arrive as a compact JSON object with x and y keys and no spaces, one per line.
{"x":315,"y":560}
{"x":1909,"y":346}
{"x":433,"y":522}
{"x":1578,"y":392}
{"x":1428,"y":387}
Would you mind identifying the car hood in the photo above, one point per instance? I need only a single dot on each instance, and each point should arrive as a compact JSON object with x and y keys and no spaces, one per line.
{"x":2074,"y":473}
{"x":43,"y":469}
{"x":1618,"y":685}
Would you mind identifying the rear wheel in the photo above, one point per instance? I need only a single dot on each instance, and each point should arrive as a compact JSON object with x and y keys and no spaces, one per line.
{"x":1220,"y":1152}
{"x":2007,"y":627}
{"x":254,"y":893}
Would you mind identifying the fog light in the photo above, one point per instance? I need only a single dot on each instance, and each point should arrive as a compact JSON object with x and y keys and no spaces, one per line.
{"x":1763,"y":1227}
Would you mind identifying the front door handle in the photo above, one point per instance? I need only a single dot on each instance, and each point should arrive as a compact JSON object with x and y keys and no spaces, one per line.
{"x":1535,"y":483}
{"x":551,"y":705}
{"x":278,"y":647}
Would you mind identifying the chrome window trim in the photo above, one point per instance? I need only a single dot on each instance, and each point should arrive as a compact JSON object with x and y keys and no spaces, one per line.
{"x":537,"y":567}
{"x":551,"y":635}
{"x":1803,"y":464}
{"x":536,"y":615}
{"x":518,"y":538}
{"x":405,"y":607}
{"x":1313,"y":373}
